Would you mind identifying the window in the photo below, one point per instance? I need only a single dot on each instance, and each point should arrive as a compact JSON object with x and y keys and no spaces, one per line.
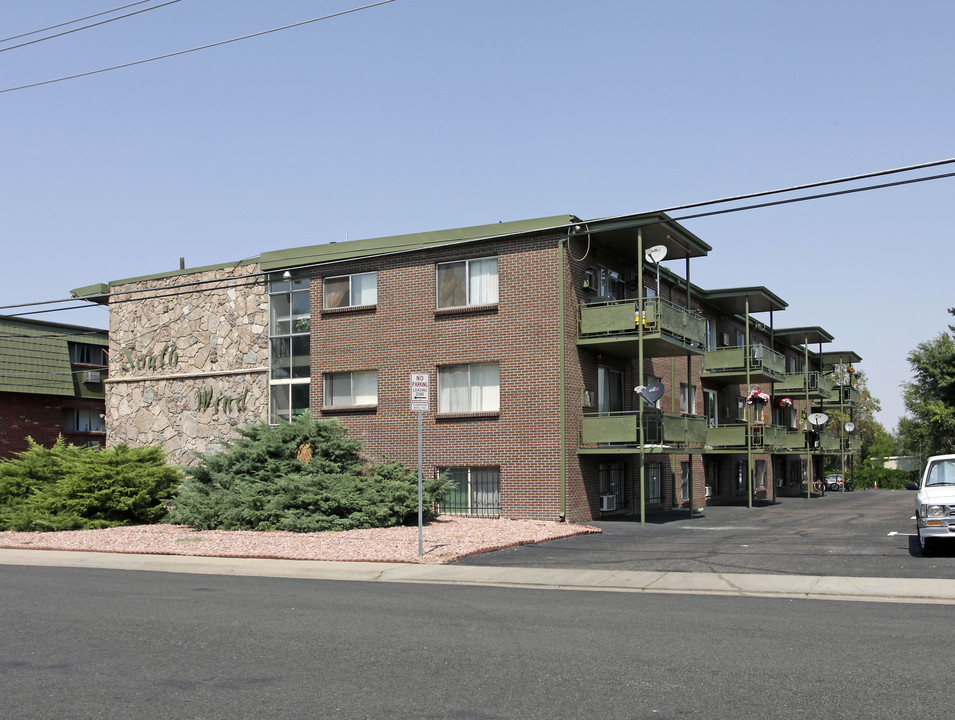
{"x":467,"y":282}
{"x":760,"y":474}
{"x":609,"y":390}
{"x":710,"y":334}
{"x":85,"y":354}
{"x":740,"y":476}
{"x":344,"y":389}
{"x":475,"y":490}
{"x":76,"y":420}
{"x":710,"y":409}
{"x":687,"y":399}
{"x":350,"y":291}
{"x":469,"y":388}
{"x":654,"y":483}
{"x":740,"y":338}
{"x":611,"y":285}
{"x":290,"y":327}
{"x":684,"y":479}
{"x":613,"y":477}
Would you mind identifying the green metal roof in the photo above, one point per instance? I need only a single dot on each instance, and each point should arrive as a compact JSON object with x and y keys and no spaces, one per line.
{"x":352,"y":249}
{"x":35,"y":355}
{"x":839,"y":357}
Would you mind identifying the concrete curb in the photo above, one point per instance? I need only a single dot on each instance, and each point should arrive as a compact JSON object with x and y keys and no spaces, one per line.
{"x":869,"y":589}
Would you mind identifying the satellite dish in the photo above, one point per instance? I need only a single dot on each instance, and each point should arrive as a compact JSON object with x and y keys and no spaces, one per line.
{"x":818,"y":418}
{"x":850,"y":427}
{"x":656,"y":253}
{"x":651,"y":393}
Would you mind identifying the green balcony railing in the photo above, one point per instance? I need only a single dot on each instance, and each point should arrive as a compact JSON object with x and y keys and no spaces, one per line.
{"x":843,"y":395}
{"x":765,"y":363}
{"x":819,"y":386}
{"x":623,"y":429}
{"x":764,"y":437}
{"x":659,"y":316}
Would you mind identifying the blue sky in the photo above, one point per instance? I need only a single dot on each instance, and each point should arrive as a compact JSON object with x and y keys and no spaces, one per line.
{"x":428,"y":114}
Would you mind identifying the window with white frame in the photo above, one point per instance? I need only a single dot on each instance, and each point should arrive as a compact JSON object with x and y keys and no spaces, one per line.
{"x":710,"y":334}
{"x":760,"y":474}
{"x":345,"y":291}
{"x":469,"y":388}
{"x":87,"y":354}
{"x":347,"y":389}
{"x":467,"y":282}
{"x":687,"y":399}
{"x":290,"y":324}
{"x":685,"y":479}
{"x":474,"y":490}
{"x":82,"y":420}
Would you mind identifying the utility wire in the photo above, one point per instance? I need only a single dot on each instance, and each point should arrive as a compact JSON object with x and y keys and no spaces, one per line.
{"x":72,"y":22}
{"x":195,"y":49}
{"x":256,"y":278}
{"x":87,"y":27}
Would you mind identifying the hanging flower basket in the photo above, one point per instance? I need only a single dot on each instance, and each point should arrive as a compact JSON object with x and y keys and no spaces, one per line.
{"x":784,"y":403}
{"x":757,"y":397}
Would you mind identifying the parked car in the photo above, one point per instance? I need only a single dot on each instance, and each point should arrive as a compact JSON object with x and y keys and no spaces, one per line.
{"x":935,"y":502}
{"x":834,"y":481}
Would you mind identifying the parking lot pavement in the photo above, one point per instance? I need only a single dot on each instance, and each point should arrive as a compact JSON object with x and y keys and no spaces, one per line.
{"x":856,"y":534}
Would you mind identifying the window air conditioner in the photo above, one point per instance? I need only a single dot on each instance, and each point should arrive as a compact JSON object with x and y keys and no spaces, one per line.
{"x":726,"y":339}
{"x":709,"y":492}
{"x":92,"y":376}
{"x":608,"y":503}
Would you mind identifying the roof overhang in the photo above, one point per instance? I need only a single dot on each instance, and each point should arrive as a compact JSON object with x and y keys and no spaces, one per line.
{"x":618,"y":235}
{"x":736,"y":301}
{"x":802,"y":335}
{"x":839,"y":357}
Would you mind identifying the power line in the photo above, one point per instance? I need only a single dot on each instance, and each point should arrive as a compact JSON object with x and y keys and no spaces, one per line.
{"x":195,"y":49}
{"x":256,"y":278}
{"x":86,"y":27}
{"x":72,"y":22}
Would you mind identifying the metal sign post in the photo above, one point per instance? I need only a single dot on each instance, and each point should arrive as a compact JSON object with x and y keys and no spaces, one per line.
{"x":420,"y":402}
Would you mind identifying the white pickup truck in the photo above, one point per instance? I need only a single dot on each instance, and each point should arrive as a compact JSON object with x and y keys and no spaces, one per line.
{"x":935,"y":502}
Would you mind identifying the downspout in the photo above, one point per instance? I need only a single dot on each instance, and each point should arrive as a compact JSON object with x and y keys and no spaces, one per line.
{"x":747,"y":356}
{"x":805,"y":377}
{"x":772,"y":464}
{"x":562,"y":370}
{"x":689,"y":375}
{"x":640,"y":375}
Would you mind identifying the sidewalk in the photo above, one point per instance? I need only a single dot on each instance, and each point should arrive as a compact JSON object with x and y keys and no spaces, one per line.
{"x":895,"y":590}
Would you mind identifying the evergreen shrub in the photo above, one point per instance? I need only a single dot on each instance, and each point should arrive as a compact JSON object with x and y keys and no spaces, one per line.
{"x":301,"y":476}
{"x":68,"y":487}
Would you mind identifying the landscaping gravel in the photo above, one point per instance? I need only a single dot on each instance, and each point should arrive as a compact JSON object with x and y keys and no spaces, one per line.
{"x":444,"y":539}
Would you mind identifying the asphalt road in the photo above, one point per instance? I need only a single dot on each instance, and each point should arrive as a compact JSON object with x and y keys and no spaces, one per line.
{"x":856,"y":534}
{"x":92,"y":643}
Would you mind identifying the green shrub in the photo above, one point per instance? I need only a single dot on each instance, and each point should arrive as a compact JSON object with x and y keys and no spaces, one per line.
{"x":301,"y":476}
{"x":67,"y":487}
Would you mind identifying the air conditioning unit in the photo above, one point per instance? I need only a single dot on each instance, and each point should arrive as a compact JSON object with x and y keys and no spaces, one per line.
{"x":608,"y":503}
{"x":92,"y":376}
{"x":726,"y":339}
{"x":709,"y":492}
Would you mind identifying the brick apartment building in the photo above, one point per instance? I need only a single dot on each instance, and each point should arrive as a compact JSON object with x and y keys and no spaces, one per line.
{"x":51,"y":383}
{"x":536,"y":336}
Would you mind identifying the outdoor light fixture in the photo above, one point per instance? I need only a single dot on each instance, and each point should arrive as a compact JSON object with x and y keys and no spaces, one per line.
{"x":286,"y":275}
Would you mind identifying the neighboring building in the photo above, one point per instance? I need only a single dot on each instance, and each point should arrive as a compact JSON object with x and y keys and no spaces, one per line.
{"x":51,"y":383}
{"x":534,"y":335}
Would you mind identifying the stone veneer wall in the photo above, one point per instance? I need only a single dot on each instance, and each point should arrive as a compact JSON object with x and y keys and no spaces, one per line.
{"x":187,"y":364}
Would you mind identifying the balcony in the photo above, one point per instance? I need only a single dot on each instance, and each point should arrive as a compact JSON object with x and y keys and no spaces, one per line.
{"x":819,"y":386}
{"x":621,"y":431}
{"x":613,"y":328}
{"x":765,"y":438}
{"x":843,"y":396}
{"x":728,"y":365}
